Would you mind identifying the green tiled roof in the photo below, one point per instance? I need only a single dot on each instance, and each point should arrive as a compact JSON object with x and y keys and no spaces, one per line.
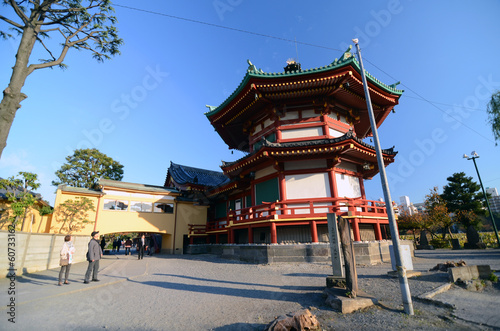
{"x":346,"y":59}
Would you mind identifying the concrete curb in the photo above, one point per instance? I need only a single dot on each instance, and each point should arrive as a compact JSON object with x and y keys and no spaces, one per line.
{"x":428,"y":297}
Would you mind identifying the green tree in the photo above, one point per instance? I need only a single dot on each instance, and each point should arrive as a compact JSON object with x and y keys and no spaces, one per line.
{"x":85,"y":167}
{"x":20,"y":196}
{"x":73,"y":214}
{"x":78,"y":24}
{"x":463,"y":199}
{"x":437,"y":211}
{"x":412,"y":223}
{"x":493,"y":111}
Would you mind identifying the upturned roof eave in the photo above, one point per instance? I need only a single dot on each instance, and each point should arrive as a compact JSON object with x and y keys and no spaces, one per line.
{"x":312,"y":143}
{"x":337,"y":64}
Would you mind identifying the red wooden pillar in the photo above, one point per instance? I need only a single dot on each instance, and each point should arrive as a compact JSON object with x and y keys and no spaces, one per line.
{"x":278,"y":136}
{"x":217,"y":240}
{"x":355,"y":229}
{"x":230,"y":234}
{"x":250,"y":235}
{"x":326,"y":129}
{"x":274,"y":236}
{"x":362,"y":187}
{"x":333,"y":182}
{"x":191,"y":240}
{"x":282,"y":186}
{"x":314,"y":232}
{"x":378,"y":233}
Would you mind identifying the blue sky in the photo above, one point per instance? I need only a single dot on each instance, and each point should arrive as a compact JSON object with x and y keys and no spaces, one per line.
{"x":146,"y":107}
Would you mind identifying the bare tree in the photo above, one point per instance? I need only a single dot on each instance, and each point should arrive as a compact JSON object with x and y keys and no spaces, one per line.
{"x":79,"y":24}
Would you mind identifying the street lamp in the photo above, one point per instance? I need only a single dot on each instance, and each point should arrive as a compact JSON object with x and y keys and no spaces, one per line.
{"x":473,"y":157}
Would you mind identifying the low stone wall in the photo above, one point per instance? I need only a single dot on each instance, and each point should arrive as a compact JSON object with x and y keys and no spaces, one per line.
{"x":31,"y":252}
{"x":367,"y":253}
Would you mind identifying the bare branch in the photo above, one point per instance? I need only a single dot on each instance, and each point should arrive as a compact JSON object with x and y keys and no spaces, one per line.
{"x":19,"y":12}
{"x":64,"y":51}
{"x":46,"y":48}
{"x":50,"y":30}
{"x":62,"y":19}
{"x":17,"y":25}
{"x":73,"y":10}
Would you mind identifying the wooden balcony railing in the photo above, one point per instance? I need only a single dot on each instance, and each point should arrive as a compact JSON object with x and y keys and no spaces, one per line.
{"x":294,"y":210}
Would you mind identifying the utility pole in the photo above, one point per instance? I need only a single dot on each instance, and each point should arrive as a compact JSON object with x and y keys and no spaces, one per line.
{"x":473,"y":157}
{"x":403,"y":281}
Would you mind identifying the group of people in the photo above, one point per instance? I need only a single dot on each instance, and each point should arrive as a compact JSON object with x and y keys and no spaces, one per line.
{"x":95,"y":253}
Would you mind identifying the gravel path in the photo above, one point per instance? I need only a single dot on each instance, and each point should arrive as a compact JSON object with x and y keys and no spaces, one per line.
{"x":208,"y":293}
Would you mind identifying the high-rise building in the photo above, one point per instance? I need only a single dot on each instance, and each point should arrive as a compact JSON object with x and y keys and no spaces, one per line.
{"x":494,"y":199}
{"x":406,"y":205}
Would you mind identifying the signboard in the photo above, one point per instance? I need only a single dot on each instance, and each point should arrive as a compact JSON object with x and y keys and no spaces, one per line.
{"x":335,"y":248}
{"x":405,"y":257}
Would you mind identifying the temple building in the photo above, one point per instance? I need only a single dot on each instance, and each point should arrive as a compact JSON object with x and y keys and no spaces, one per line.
{"x":303,"y":133}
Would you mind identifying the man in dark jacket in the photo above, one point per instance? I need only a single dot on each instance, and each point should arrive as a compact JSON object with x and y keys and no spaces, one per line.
{"x":141,"y":245}
{"x":94,"y":254}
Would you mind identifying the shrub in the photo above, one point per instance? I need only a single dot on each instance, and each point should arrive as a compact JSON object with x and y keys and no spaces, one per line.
{"x":440,"y":243}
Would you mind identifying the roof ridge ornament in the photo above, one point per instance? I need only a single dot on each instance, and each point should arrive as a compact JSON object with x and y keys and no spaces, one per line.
{"x":251,"y":66}
{"x":395,"y":84}
{"x":210,"y":107}
{"x":347,"y":54}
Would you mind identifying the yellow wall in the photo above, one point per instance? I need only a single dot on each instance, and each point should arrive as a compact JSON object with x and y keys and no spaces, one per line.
{"x":126,"y":221}
{"x":57,"y":224}
{"x":33,"y":221}
{"x":187,"y":214}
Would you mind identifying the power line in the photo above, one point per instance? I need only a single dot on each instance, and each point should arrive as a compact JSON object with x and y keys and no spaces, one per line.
{"x":432,"y":104}
{"x":301,"y":43}
{"x":445,"y":104}
{"x":225,"y":27}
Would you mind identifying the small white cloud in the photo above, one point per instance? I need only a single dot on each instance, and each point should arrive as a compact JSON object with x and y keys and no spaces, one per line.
{"x":12,"y":163}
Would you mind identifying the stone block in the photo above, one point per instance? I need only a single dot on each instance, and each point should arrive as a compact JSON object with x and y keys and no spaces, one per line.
{"x":470,"y":272}
{"x":337,"y":298}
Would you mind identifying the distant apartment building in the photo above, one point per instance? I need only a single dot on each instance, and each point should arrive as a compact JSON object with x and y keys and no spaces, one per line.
{"x":407,"y":206}
{"x":494,"y":199}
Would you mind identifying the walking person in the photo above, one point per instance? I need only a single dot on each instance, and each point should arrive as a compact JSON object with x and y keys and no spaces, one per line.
{"x":141,"y":243}
{"x":67,"y":251}
{"x":128,"y":245}
{"x":94,"y":254}
{"x":103,"y":243}
{"x":150,"y":244}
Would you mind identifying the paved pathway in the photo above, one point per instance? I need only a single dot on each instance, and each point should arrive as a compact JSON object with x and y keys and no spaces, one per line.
{"x":480,"y":308}
{"x":207,"y":293}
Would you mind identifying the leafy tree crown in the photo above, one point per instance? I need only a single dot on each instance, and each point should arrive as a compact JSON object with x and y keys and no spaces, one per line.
{"x":85,"y":167}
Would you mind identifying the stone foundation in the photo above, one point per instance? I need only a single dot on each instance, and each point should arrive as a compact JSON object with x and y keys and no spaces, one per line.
{"x":367,"y":253}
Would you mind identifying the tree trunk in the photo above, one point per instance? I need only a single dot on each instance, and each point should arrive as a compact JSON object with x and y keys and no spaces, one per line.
{"x":351,"y":276}
{"x":444,"y":233}
{"x":12,"y":95}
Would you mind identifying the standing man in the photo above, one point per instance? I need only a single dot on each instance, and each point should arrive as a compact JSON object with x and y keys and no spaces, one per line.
{"x":141,"y":243}
{"x":94,"y":254}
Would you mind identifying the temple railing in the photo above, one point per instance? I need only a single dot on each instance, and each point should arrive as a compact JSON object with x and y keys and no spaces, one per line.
{"x":294,"y":210}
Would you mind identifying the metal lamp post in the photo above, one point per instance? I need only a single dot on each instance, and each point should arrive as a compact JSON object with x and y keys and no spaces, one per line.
{"x":403,"y":280}
{"x":473,"y":157}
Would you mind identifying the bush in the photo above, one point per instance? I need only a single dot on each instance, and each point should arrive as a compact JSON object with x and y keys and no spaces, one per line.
{"x":440,"y":243}
{"x":488,"y":238}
